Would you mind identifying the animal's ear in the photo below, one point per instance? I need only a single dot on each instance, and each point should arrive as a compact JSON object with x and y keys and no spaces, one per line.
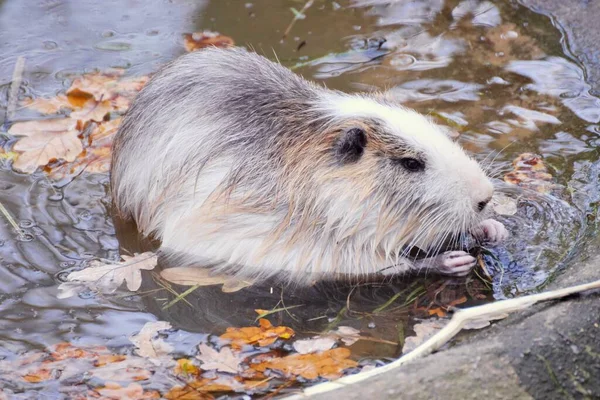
{"x":350,"y":146}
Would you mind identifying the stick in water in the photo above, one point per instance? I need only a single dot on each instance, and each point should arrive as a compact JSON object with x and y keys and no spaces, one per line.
{"x":13,"y":94}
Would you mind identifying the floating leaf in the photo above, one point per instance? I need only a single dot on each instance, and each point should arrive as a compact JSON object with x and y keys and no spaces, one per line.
{"x":328,"y":364}
{"x":200,"y":40}
{"x":45,"y":140}
{"x":314,"y":345}
{"x":264,"y":335}
{"x":106,"y":278}
{"x":49,"y":106}
{"x":92,"y":111}
{"x":132,"y":392}
{"x":224,"y":360}
{"x":346,"y":334}
{"x":148,"y":345}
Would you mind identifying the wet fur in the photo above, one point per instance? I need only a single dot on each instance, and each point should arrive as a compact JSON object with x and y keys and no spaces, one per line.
{"x":230,"y":160}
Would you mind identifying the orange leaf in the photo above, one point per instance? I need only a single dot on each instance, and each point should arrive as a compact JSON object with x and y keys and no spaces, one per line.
{"x":39,"y":376}
{"x":437,"y":311}
{"x":457,"y":301}
{"x":200,"y":40}
{"x":92,"y":111}
{"x":328,"y":364}
{"x":108,"y":359}
{"x":264,"y":335}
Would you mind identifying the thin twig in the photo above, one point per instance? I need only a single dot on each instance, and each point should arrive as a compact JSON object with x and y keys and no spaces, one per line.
{"x":13,"y":94}
{"x":297,"y":16}
{"x":11,"y":221}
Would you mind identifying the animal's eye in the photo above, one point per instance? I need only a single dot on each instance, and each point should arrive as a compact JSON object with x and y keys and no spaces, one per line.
{"x":411,"y":164}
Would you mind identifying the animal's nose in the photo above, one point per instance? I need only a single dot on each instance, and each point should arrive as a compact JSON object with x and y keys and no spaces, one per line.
{"x":481,"y":205}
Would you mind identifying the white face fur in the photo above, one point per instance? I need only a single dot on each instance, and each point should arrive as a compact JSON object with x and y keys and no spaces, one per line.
{"x":450,"y":176}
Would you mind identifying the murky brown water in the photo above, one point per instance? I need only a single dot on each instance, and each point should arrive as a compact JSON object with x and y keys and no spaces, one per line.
{"x":495,"y":71}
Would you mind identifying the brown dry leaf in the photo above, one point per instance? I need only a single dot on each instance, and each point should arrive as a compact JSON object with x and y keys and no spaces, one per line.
{"x":92,"y":111}
{"x":328,"y":364}
{"x":108,"y":359}
{"x":264,"y":335}
{"x":107,"y":278}
{"x":105,"y":86}
{"x":224,"y":360}
{"x":40,"y":375}
{"x":186,"y":367}
{"x":187,"y":393}
{"x":63,"y":351}
{"x":132,"y":392}
{"x":95,"y":159}
{"x":437,"y":311}
{"x":530,"y":172}
{"x":200,"y":40}
{"x":49,"y":106}
{"x":45,"y":140}
{"x":148,"y":345}
{"x":129,"y":370}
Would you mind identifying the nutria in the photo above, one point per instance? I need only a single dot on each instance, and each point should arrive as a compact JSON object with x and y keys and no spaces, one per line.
{"x":237,"y":164}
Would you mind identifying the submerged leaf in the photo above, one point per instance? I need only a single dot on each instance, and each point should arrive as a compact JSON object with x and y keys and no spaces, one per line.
{"x":148,"y":345}
{"x":200,"y":40}
{"x":224,"y":360}
{"x":195,"y":276}
{"x":264,"y":335}
{"x":328,"y":364}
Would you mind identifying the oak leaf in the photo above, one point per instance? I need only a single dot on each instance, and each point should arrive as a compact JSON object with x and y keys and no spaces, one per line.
{"x":132,"y":392}
{"x":106,"y":278}
{"x":52,"y":105}
{"x":92,"y":111}
{"x":45,"y":140}
{"x":264,"y":335}
{"x":224,"y":360}
{"x":146,"y":342}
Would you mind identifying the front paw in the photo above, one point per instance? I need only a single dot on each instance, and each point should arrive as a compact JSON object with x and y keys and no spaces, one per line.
{"x":455,"y":263}
{"x":490,"y":232}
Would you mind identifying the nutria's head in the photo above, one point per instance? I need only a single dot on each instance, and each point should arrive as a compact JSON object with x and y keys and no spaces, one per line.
{"x":389,"y":178}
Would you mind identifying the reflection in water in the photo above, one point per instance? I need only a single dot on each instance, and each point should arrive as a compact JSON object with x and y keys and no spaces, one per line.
{"x":493,"y":71}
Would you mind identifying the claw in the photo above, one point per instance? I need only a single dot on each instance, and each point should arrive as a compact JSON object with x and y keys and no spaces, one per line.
{"x":491,"y":231}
